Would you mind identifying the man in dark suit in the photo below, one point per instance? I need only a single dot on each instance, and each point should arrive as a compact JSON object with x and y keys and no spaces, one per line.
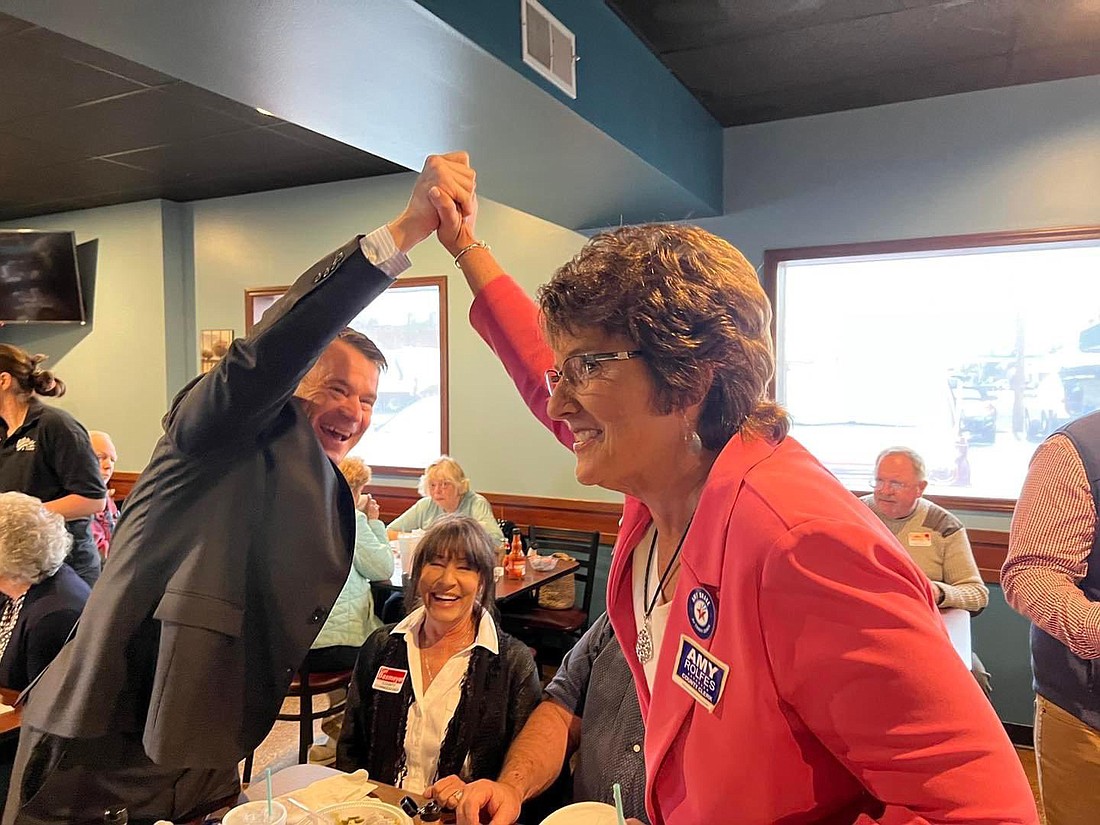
{"x":232,"y":548}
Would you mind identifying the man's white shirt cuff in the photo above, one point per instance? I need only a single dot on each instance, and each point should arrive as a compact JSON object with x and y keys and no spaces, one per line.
{"x":380,"y":249}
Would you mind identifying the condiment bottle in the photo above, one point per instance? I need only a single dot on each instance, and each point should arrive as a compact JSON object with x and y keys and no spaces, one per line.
{"x":516,"y":567}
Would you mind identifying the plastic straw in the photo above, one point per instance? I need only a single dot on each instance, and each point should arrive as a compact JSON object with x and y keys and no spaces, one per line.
{"x":618,"y":792}
{"x":269,"y":795}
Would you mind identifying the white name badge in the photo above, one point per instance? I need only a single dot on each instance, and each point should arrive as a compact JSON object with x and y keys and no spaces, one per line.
{"x":700,"y":674}
{"x":390,"y":679}
{"x":920,"y":539}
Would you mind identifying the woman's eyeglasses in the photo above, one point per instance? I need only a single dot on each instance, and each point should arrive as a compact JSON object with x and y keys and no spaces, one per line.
{"x":577,"y":369}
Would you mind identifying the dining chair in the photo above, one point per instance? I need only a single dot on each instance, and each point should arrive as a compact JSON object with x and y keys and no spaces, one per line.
{"x":305,"y":686}
{"x":583,"y":546}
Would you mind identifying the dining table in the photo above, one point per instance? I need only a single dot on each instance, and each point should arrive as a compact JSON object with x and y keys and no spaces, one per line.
{"x":292,"y":779}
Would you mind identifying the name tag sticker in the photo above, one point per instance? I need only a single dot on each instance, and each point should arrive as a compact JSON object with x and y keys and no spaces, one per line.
{"x":700,"y":674}
{"x":390,"y":679}
{"x":920,"y":539}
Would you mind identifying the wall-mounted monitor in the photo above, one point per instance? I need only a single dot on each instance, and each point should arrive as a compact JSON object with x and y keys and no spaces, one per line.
{"x":39,"y":278}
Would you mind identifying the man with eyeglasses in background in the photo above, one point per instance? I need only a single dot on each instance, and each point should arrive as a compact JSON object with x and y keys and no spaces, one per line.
{"x":934,"y":538}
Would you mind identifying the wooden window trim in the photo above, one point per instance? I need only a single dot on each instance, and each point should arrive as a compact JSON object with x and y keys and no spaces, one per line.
{"x":439,"y":281}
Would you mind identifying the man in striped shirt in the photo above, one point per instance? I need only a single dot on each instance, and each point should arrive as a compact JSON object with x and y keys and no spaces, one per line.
{"x":1052,"y":576}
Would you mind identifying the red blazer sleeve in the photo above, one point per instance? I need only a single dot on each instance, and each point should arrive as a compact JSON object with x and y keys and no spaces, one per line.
{"x":859,"y":652}
{"x":508,"y":321}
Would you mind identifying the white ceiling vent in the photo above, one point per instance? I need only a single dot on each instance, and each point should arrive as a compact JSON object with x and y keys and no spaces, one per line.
{"x":548,"y":47}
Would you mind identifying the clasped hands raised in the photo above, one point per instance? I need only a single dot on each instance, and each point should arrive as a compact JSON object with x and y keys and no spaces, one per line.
{"x":443,"y":201}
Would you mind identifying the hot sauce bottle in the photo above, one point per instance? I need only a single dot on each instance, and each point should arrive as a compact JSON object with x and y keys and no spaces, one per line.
{"x":515,"y":566}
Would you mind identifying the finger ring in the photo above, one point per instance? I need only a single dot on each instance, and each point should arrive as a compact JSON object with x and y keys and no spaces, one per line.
{"x":456,"y":796}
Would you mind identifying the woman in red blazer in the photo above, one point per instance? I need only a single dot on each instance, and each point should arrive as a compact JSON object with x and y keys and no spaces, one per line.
{"x":789,"y":660}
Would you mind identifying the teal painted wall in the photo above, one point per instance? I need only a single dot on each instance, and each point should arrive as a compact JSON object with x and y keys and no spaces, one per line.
{"x":622,"y":88}
{"x":999,"y":636}
{"x":115,"y":368}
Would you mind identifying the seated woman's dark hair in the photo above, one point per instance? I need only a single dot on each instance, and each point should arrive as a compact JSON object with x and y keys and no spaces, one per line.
{"x":456,"y":537}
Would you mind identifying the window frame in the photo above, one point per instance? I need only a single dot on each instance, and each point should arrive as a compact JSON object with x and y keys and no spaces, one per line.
{"x":775,"y":258}
{"x":252,"y":295}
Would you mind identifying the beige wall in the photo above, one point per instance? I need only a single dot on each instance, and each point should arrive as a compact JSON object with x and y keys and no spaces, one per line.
{"x":115,"y":366}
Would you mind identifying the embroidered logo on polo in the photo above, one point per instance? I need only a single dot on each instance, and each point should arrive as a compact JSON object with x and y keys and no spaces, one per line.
{"x":390,"y":679}
{"x":702,"y":612}
{"x":700,"y":674}
{"x":25,"y":445}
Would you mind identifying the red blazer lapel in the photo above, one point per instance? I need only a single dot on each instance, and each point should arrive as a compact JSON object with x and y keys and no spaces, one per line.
{"x":705,"y":546}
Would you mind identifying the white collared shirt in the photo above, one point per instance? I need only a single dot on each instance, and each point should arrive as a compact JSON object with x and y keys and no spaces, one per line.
{"x":381,"y":250}
{"x":431,"y":711}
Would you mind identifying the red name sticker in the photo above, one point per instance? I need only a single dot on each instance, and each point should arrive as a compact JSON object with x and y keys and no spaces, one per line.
{"x":390,"y":679}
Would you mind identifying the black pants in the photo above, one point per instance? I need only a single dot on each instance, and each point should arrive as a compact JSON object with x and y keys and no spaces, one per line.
{"x":57,"y":781}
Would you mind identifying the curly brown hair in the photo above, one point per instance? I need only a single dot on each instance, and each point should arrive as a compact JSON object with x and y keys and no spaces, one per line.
{"x":694,"y":305}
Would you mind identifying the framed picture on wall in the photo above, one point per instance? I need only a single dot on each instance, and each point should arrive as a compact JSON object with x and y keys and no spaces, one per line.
{"x":408,"y":322}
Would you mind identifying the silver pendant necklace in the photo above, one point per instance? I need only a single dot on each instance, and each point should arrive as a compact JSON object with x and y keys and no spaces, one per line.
{"x":643,"y":647}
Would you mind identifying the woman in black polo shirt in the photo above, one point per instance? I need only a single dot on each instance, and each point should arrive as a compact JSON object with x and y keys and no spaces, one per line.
{"x":46,"y":453}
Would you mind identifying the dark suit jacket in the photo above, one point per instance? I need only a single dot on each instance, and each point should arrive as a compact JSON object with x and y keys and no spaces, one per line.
{"x":50,"y":609}
{"x":232,"y":548}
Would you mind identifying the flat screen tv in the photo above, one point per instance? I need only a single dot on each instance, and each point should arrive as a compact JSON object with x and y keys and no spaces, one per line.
{"x":39,"y":280}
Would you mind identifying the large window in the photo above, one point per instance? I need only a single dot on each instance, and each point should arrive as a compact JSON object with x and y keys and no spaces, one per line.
{"x":408,"y":323}
{"x":970,"y":350}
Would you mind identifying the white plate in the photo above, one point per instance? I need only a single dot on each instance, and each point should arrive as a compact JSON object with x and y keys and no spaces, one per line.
{"x":369,"y":811}
{"x":583,"y":813}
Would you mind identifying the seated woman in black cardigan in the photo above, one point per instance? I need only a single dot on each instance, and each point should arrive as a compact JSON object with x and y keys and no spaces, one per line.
{"x":444,"y":691}
{"x":42,"y":597}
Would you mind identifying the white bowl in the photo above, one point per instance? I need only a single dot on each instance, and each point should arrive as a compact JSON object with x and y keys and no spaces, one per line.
{"x":364,"y":812}
{"x":583,"y":813}
{"x":543,"y":564}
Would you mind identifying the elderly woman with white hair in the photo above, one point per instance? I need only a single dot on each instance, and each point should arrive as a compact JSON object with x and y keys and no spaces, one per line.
{"x":445,"y":490}
{"x":42,"y":597}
